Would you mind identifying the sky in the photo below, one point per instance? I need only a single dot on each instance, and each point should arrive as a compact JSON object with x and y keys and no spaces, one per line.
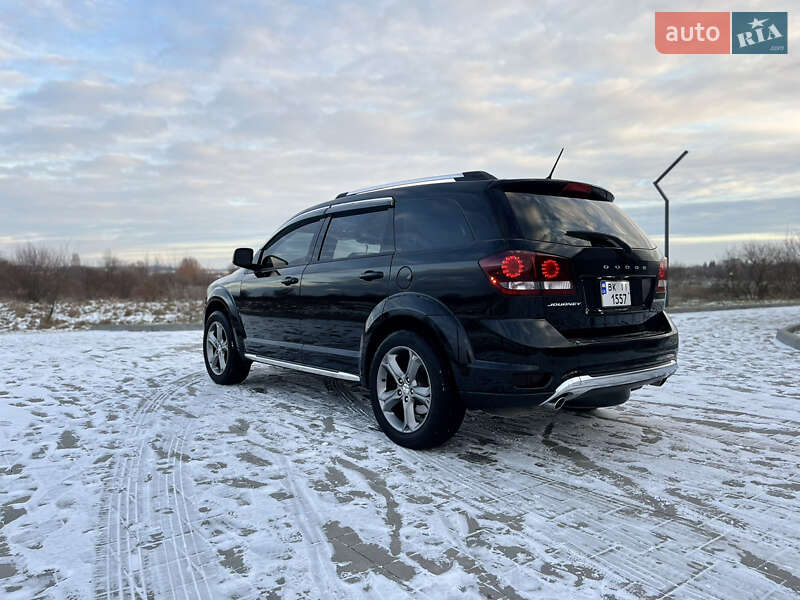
{"x":158,"y":130}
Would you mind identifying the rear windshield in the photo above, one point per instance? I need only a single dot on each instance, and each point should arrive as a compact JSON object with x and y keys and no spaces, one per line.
{"x":548,"y":218}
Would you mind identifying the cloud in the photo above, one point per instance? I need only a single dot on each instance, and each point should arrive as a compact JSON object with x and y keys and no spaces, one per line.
{"x":186,"y":128}
{"x":70,"y":98}
{"x":135,"y":126}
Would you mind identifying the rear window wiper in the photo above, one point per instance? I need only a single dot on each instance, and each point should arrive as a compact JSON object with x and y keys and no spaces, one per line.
{"x":592,"y":236}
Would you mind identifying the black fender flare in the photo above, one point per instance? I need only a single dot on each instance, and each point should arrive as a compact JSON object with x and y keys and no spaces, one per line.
{"x":432,"y":315}
{"x":221,"y":294}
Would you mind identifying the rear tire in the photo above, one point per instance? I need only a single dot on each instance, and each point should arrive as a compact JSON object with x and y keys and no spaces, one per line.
{"x":223,"y":362}
{"x":413,"y":398}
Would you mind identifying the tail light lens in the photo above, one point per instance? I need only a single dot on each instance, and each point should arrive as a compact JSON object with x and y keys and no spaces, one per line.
{"x":662,"y":277}
{"x":529,"y":273}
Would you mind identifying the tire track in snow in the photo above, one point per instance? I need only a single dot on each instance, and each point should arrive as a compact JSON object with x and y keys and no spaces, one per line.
{"x":322,"y":570}
{"x":188,"y":520}
{"x":162,"y":542}
{"x":354,"y":401}
{"x":134,"y":474}
{"x":115,"y":574}
{"x":467,"y":476}
{"x":186,"y":553}
{"x":443,"y":466}
{"x":193,"y":548}
{"x":167,"y":512}
{"x":697,"y":517}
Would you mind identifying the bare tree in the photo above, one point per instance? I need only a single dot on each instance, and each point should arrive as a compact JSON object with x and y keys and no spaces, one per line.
{"x":758,"y":261}
{"x":110,"y":262}
{"x":189,"y":271}
{"x":41,"y":274}
{"x":791,"y":264}
{"x":7,"y":276}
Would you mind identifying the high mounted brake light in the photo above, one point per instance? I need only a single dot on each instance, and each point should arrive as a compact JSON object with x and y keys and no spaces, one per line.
{"x":522,"y":272}
{"x":553,"y":187}
{"x":577,"y":190}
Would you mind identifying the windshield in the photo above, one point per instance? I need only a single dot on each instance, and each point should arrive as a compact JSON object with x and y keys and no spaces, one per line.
{"x":548,"y":218}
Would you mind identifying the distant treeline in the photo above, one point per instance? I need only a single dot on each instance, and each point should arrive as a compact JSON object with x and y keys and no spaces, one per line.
{"x":753,"y":271}
{"x":46,"y":275}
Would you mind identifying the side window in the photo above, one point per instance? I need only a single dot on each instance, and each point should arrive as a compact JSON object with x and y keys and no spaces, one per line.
{"x":430,"y":223}
{"x":480,"y":216}
{"x":357,"y":235}
{"x":293,"y":246}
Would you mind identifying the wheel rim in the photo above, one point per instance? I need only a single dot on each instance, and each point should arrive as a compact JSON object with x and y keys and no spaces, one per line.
{"x":217,"y":348}
{"x":404,"y":389}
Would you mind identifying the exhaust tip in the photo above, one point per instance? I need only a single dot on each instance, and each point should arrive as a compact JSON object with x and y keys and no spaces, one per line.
{"x":559,"y":402}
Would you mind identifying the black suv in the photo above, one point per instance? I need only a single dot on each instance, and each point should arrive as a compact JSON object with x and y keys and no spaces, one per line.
{"x":452,"y":292}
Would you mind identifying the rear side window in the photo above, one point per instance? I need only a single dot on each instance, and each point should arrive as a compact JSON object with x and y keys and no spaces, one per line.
{"x":480,"y":216}
{"x":430,"y":224}
{"x":357,"y":235}
{"x":548,"y":218}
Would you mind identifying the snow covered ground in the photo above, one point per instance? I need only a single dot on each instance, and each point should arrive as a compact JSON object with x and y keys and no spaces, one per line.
{"x":69,"y":315}
{"x":124,"y":472}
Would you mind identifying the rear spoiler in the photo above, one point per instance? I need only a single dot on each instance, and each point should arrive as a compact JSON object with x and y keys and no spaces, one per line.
{"x":553,"y":187}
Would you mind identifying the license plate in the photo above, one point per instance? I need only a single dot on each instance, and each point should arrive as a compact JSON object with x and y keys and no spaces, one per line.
{"x":615,"y":293}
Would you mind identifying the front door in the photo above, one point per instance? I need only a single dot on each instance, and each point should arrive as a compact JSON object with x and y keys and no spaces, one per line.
{"x":269,"y":299}
{"x":340,"y":289}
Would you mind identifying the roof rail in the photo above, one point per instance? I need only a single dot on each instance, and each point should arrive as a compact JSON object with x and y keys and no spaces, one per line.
{"x":467,"y":175}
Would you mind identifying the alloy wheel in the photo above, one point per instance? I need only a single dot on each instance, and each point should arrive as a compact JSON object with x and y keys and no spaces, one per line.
{"x":217,"y":348}
{"x":404,"y":389}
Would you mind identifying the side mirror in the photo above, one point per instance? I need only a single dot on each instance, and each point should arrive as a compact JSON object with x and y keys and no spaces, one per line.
{"x":243,"y":257}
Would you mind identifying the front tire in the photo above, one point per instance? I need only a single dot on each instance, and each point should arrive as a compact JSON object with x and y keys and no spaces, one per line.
{"x":223,"y":362}
{"x":412,"y":394}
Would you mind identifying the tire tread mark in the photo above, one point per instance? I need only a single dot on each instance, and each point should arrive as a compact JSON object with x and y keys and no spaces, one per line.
{"x":177,"y":513}
{"x":328,"y":583}
{"x":167,"y":518}
{"x":118,"y":490}
{"x":188,"y":522}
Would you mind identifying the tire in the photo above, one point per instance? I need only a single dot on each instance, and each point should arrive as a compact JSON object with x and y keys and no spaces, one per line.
{"x":591,"y":401}
{"x":423,"y":425}
{"x":235,"y":368}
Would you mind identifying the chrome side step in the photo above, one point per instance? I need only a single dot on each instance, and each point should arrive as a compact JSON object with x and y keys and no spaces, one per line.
{"x":575,"y":387}
{"x":305,"y":368}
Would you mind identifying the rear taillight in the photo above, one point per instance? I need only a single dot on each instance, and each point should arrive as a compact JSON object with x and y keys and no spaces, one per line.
{"x":522,"y":272}
{"x":662,"y":277}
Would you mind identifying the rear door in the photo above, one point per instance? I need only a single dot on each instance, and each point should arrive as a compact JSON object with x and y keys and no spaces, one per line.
{"x":270,"y":295}
{"x":345,"y":282}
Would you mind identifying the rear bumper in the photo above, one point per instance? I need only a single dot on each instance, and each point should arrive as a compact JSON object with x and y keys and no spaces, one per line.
{"x":574,"y":387}
{"x":549,"y":374}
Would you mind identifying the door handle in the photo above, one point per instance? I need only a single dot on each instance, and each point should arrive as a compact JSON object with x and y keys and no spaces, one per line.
{"x":371,"y":275}
{"x":289,"y":280}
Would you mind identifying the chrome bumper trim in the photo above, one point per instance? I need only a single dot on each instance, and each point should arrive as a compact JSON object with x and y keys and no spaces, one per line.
{"x":305,"y":368}
{"x":575,"y":387}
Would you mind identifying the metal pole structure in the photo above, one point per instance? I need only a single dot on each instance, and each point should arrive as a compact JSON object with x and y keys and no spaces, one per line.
{"x":666,"y":203}
{"x":666,"y":212}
